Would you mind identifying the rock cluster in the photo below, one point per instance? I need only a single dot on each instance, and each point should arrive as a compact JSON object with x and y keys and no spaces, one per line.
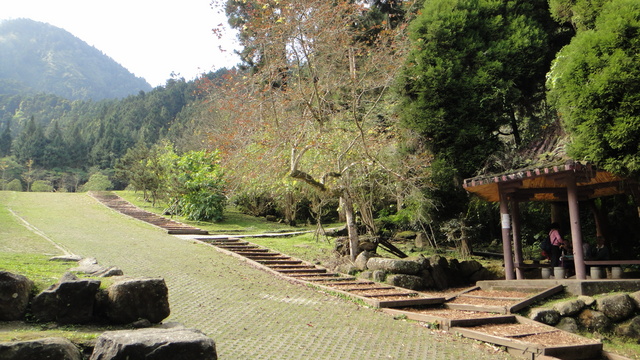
{"x":619,"y":313}
{"x":138,"y":302}
{"x":420,"y":273}
{"x":156,"y":344}
{"x":80,"y":301}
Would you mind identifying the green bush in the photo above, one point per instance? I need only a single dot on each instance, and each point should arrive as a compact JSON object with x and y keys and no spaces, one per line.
{"x":41,"y":186}
{"x":201,"y":186}
{"x":13,"y":185}
{"x":97,"y":182}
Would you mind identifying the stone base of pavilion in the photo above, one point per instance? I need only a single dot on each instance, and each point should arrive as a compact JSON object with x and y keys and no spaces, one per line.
{"x":572,"y":286}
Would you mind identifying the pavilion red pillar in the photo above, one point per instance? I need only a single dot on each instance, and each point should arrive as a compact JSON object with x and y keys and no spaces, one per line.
{"x":506,"y":239}
{"x":517,"y":240}
{"x":576,"y":231}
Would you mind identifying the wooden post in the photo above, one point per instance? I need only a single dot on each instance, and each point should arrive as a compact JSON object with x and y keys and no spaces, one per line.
{"x":517,"y":239}
{"x":506,"y":240}
{"x":576,"y":231}
{"x":555,"y":213}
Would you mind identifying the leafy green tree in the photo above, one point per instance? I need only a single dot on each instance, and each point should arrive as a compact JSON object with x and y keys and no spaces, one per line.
{"x":312,"y":108}
{"x":475,"y":74}
{"x":10,"y":169}
{"x":201,"y":190}
{"x":595,"y":86}
{"x":140,"y":168}
{"x":581,"y":14}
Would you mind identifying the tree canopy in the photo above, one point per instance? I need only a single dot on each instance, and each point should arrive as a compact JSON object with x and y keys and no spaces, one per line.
{"x":595,"y":85}
{"x":475,"y":73}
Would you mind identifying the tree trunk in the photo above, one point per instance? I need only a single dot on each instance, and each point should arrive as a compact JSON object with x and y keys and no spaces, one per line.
{"x":465,"y":241}
{"x":341,"y":215}
{"x":347,"y":203}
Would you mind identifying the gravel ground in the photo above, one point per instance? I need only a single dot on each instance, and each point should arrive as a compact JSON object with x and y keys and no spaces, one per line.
{"x":249,"y":313}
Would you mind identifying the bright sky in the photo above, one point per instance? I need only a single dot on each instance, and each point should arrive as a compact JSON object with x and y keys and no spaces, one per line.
{"x":151,"y":38}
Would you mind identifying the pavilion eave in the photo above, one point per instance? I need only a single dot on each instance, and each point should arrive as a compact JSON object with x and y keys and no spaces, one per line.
{"x":547,"y":183}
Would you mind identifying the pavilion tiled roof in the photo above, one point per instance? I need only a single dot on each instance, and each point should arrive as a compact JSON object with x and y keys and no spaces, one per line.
{"x":548,"y":183}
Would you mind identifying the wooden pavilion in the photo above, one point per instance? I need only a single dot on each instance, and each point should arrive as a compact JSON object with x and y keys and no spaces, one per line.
{"x":571,"y":183}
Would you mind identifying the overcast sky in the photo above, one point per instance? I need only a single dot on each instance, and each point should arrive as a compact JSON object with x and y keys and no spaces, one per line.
{"x":151,"y":38}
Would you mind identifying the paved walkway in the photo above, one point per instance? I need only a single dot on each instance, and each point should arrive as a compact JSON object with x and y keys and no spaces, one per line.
{"x":249,"y":313}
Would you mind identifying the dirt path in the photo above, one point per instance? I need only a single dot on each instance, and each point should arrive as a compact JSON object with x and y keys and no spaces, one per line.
{"x":249,"y":313}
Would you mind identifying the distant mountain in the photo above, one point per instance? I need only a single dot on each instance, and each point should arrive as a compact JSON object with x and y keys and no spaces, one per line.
{"x":39,"y":57}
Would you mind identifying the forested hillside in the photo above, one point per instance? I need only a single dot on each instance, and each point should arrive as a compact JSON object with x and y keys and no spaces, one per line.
{"x":42,"y":58}
{"x":62,"y":142}
{"x":372,"y":112}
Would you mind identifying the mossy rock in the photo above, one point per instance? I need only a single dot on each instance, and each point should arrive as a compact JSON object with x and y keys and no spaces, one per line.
{"x":406,"y":235}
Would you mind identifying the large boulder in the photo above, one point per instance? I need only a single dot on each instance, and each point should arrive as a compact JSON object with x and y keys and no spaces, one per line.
{"x":362,"y":258}
{"x":15,"y":291}
{"x":154,"y":344}
{"x":630,"y":329}
{"x":412,"y":282}
{"x":422,"y":261}
{"x":394,"y":265}
{"x":378,"y":275}
{"x":367,"y":275}
{"x":636,"y":299}
{"x":616,"y":307}
{"x":342,"y":246}
{"x":439,"y":260}
{"x":346,"y":268}
{"x":427,"y":279}
{"x":130,"y":300}
{"x":70,"y":301}
{"x":469,"y":267}
{"x":66,"y":258}
{"x":545,"y":316}
{"x":594,"y":321}
{"x":587,"y":300}
{"x":91,"y":267}
{"x":482,"y":274}
{"x":47,"y":348}
{"x":568,"y":324}
{"x":439,"y":276}
{"x":569,"y":307}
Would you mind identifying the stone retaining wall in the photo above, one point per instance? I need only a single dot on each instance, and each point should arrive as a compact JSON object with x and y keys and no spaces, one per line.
{"x":617,"y":313}
{"x":420,"y":273}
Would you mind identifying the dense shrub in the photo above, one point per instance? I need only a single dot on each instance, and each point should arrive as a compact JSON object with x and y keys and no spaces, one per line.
{"x":97,"y":182}
{"x":13,"y":185}
{"x":41,"y":186}
{"x":200,"y":186}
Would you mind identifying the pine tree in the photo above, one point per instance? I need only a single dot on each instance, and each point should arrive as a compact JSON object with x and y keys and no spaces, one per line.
{"x":30,"y":144}
{"x":5,"y":140}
